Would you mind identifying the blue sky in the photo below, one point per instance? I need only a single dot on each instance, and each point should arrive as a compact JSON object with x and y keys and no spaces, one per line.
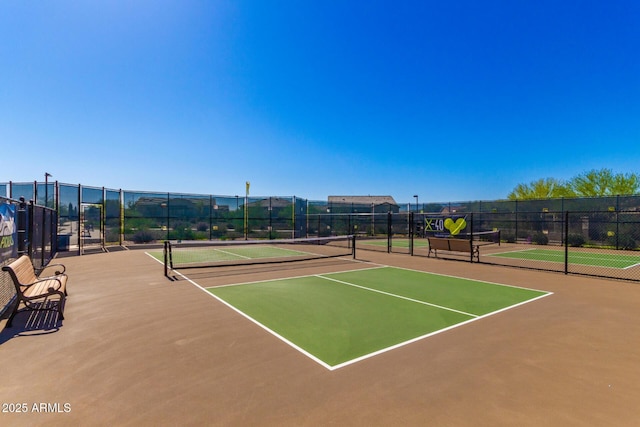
{"x":450,"y":100}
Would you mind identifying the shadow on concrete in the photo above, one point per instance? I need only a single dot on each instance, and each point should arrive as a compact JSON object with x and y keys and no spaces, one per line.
{"x":30,"y":323}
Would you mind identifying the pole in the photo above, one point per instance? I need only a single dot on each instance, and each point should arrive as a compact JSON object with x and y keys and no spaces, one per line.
{"x":389,"y":232}
{"x":373,"y":220}
{"x":46,"y":188}
{"x":566,"y":243}
{"x":168,"y":218}
{"x":246,"y":211}
{"x":44,"y":216}
{"x":471,"y":240}
{"x":22,"y":227}
{"x":411,"y":233}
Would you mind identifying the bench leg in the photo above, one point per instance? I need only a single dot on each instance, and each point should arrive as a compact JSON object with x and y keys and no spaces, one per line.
{"x":59,"y":308}
{"x":13,"y":314}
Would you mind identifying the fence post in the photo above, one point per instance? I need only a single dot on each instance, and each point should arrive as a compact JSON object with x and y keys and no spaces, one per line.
{"x":54,"y":233}
{"x":30,"y":222}
{"x":617,"y":222}
{"x":411,"y":233}
{"x":211,"y":217}
{"x":389,"y":232}
{"x":471,"y":239}
{"x":293,"y":217}
{"x":22,"y":226}
{"x":43,"y":231}
{"x":516,"y":227}
{"x":566,"y":242}
{"x":168,"y":218}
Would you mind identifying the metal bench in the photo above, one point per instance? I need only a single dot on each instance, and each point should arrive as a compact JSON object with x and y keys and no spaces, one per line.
{"x":36,"y":292}
{"x":453,"y":245}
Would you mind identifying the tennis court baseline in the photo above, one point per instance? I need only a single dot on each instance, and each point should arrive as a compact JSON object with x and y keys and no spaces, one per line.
{"x":594,"y":259}
{"x":341,"y":318}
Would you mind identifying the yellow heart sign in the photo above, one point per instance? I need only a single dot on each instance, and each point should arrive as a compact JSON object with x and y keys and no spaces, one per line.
{"x":455,"y":227}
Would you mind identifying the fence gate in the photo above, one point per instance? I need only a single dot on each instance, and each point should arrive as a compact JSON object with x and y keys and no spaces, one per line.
{"x":91,"y":228}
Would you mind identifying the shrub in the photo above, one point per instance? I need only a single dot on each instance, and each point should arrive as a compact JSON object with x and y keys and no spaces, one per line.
{"x":182,"y":231}
{"x":509,"y":237}
{"x":143,"y":236}
{"x":112,"y":235}
{"x":575,"y":240}
{"x":183,"y":234}
{"x":540,"y":239}
{"x":623,"y":242}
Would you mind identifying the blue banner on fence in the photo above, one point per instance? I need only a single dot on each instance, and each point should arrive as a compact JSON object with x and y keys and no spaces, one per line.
{"x":8,"y":231}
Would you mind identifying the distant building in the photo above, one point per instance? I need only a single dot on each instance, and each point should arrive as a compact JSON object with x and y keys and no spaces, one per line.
{"x":363,"y":204}
{"x":447,"y":210}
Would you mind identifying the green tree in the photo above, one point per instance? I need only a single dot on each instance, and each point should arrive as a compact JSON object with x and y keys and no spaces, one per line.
{"x":544,"y":188}
{"x":604,"y":182}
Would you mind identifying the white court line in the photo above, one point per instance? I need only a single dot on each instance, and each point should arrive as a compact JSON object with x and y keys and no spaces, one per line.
{"x":396,"y":296}
{"x":458,"y":277}
{"x":511,"y":252}
{"x":572,"y":255}
{"x":232,"y":254}
{"x":291,"y":277}
{"x":384,"y":350}
{"x":272,"y":332}
{"x":377,"y":352}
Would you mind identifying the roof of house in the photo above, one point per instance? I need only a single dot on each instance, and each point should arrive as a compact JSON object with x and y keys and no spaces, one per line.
{"x":376,"y":200}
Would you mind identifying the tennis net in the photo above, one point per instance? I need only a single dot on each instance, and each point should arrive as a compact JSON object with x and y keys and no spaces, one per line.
{"x":199,"y":254}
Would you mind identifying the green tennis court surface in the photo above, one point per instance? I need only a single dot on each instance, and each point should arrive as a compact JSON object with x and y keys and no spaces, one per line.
{"x":594,"y":259}
{"x":232,"y":253}
{"x":339,"y":318}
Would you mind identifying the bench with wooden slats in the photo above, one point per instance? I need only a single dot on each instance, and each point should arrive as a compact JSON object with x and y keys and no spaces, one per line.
{"x":453,"y":245}
{"x":37,"y":292}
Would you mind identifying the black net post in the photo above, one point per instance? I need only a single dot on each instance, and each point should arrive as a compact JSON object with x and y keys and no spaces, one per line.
{"x":353,"y":245}
{"x":166,"y":258}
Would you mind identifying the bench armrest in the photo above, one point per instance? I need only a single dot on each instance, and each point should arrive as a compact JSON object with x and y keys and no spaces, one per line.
{"x":57,"y":273}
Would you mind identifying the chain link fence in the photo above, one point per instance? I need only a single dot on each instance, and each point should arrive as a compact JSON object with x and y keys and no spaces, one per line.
{"x":593,"y":243}
{"x":550,"y":234}
{"x":25,"y":229}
